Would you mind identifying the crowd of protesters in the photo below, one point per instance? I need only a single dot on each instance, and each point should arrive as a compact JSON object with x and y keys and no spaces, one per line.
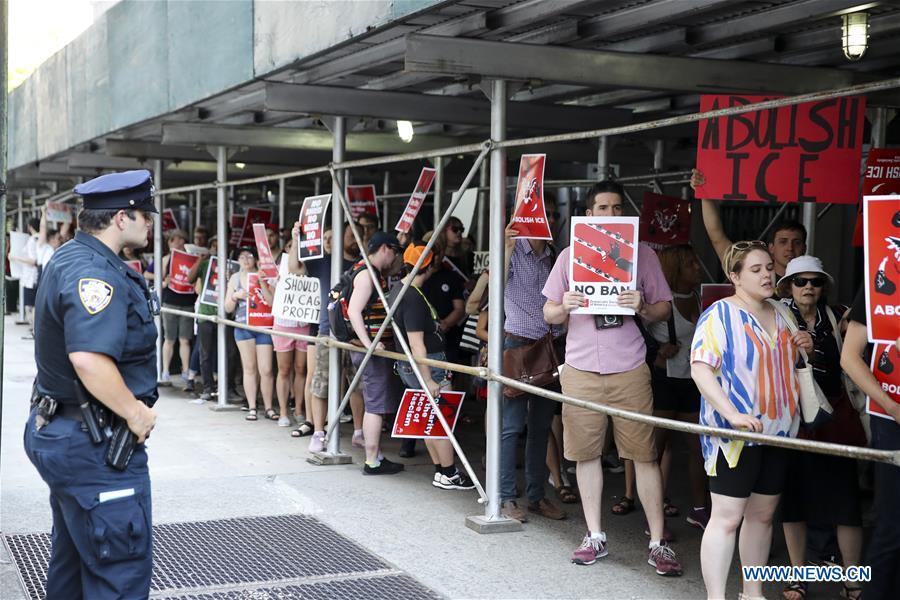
{"x":732,"y":365}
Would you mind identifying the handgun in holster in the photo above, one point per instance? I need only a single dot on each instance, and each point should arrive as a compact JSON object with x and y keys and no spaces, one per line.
{"x":102,"y":424}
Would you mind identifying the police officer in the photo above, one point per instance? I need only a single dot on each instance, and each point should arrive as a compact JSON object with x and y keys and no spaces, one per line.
{"x":95,"y":324}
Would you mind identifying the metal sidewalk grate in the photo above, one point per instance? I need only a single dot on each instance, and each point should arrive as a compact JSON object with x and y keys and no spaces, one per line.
{"x":193,"y":559}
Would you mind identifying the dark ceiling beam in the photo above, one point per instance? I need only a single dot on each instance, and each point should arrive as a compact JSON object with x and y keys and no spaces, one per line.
{"x":325,"y":100}
{"x":666,"y":40}
{"x":645,"y":15}
{"x":103,"y":161}
{"x":533,"y":11}
{"x":524,"y":62}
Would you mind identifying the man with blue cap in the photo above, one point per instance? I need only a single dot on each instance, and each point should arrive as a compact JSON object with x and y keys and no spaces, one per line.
{"x":95,"y":348}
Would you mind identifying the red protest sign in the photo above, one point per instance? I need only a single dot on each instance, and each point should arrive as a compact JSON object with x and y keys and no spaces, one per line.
{"x":362,"y":199}
{"x":312,"y":220}
{"x":180,"y":264}
{"x":135,"y":264}
{"x":603,"y":262}
{"x":802,"y":153}
{"x":259,"y":312}
{"x":168,"y":220}
{"x":882,"y":178}
{"x":266,"y":260}
{"x":210,"y":293}
{"x":882,"y":249}
{"x":415,"y":418}
{"x":237,"y":229}
{"x":530,"y":215}
{"x":713,"y":292}
{"x":886,"y":368}
{"x":254,"y":215}
{"x":426,"y":177}
{"x":665,"y":220}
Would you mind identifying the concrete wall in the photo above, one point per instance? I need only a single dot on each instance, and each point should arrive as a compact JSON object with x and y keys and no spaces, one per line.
{"x":141,"y":60}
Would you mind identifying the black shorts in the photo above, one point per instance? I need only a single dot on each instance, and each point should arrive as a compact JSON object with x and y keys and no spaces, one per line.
{"x":760,"y":470}
{"x":673,"y":393}
{"x":30,"y":296}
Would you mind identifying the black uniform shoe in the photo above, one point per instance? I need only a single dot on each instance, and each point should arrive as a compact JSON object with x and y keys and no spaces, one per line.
{"x":385,"y":468}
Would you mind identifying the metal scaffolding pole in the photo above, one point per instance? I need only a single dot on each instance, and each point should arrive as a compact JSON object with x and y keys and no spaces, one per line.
{"x":198,"y":216}
{"x":20,"y":218}
{"x":439,"y":185}
{"x":282,"y":185}
{"x":159,"y":201}
{"x":481,"y":226}
{"x":221,"y":153}
{"x":385,"y":202}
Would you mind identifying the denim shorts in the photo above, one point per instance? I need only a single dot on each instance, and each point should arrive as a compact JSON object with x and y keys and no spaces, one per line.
{"x":262,"y":339}
{"x":405,"y":371}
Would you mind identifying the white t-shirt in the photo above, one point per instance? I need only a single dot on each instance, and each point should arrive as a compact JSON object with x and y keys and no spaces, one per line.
{"x":44,"y":254}
{"x":30,"y":273}
{"x":679,"y":366}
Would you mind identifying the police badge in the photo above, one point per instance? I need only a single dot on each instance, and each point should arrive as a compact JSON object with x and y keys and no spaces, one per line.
{"x":95,"y":294}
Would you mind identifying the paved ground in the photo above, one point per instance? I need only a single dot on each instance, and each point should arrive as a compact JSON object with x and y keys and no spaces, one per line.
{"x":208,"y":465}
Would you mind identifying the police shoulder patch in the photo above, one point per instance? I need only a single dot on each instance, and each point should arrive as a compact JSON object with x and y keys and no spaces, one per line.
{"x":95,"y":294}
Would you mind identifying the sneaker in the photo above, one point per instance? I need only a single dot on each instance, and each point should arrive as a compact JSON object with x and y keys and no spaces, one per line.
{"x":346,"y":418}
{"x":456,"y":482}
{"x":385,"y":467}
{"x":197,"y":401}
{"x":546,"y":509}
{"x":317,"y":442}
{"x":590,"y":550}
{"x":206,"y":395}
{"x":698,"y":517}
{"x":511,"y":509}
{"x":164,"y":380}
{"x":662,"y":557}
{"x":667,"y":535}
{"x":189,"y":386}
{"x":284,"y":421}
{"x":358,"y":440}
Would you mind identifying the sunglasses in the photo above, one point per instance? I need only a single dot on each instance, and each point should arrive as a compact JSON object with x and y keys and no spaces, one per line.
{"x":750,"y":244}
{"x":457,"y":228}
{"x":816,"y":282}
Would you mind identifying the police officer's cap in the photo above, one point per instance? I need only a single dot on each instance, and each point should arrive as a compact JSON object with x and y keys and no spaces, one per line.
{"x":115,"y":191}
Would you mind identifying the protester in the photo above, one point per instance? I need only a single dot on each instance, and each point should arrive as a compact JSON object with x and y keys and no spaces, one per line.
{"x":742,"y":359}
{"x":48,"y":241}
{"x":527,"y":264}
{"x":29,"y":279}
{"x":206,"y":330}
{"x":606,"y":366}
{"x":201,"y":236}
{"x":418,"y":320}
{"x":366,"y":312}
{"x":255,"y":348}
{"x":368,"y":225}
{"x":456,"y":249}
{"x":444,"y":289}
{"x":274,"y":239}
{"x":883,"y":553}
{"x":176,"y":328}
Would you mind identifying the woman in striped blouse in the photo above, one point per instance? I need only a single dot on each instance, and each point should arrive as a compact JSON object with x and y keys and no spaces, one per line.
{"x":743,"y":360}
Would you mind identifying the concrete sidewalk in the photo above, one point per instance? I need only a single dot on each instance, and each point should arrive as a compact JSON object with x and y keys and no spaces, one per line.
{"x":207,"y":465}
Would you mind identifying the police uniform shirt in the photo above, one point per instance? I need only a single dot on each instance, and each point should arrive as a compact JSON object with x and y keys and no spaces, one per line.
{"x":90,"y":301}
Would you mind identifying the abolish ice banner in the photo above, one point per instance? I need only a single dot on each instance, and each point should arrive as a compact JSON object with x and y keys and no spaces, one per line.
{"x":801,"y":153}
{"x":259,"y":312}
{"x":312,"y":218}
{"x":416,"y":420}
{"x":362,"y":199}
{"x":882,"y":178}
{"x":886,"y":368}
{"x":882,"y":249}
{"x":266,"y":260}
{"x":530,"y":216}
{"x":297,"y":299}
{"x":426,"y":177}
{"x":665,"y":221}
{"x":180,"y":264}
{"x":58,"y":212}
{"x":603,"y":262}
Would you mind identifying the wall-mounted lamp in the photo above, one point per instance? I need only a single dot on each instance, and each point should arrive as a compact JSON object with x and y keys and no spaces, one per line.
{"x":855,"y":35}
{"x":405,"y":131}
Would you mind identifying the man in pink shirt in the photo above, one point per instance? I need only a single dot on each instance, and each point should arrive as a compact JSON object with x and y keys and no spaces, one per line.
{"x":605,"y":364}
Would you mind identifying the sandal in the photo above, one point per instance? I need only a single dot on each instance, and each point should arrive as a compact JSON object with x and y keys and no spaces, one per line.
{"x":566,"y":494}
{"x":797,"y":589}
{"x":851,"y":593}
{"x":271,"y":414}
{"x":670,"y":509}
{"x":623,"y":506}
{"x":305,"y":429}
{"x":251,"y":415}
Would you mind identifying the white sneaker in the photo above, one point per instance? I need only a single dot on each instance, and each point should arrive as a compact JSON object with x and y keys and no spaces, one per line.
{"x":317,"y":443}
{"x":164,"y":380}
{"x":345,"y":418}
{"x":284,"y":422}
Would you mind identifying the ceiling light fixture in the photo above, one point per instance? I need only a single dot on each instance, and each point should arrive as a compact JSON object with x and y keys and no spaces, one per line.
{"x":855,"y":35}
{"x":240,"y":165}
{"x":405,"y":131}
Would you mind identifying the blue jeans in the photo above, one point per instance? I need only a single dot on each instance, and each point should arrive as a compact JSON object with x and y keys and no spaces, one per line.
{"x":884,"y":548}
{"x":405,"y":371}
{"x":538,"y":413}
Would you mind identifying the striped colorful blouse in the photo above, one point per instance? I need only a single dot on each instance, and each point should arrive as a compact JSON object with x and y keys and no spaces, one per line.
{"x":755,"y":371}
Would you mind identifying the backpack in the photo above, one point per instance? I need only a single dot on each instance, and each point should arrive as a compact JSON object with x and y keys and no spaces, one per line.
{"x":338,"y":303}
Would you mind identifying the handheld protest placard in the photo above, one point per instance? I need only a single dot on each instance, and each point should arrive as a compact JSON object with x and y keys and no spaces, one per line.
{"x":603,"y":262}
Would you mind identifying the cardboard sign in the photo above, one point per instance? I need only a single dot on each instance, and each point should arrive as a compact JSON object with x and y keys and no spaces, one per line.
{"x":17,"y":243}
{"x":415,"y":418}
{"x":362,"y":199}
{"x":713,"y":292}
{"x":237,"y":228}
{"x":168,"y":220}
{"x":266,"y":261}
{"x":180,"y":264}
{"x":135,"y":264}
{"x":209,"y":295}
{"x":886,"y":368}
{"x":297,"y":299}
{"x":529,"y":215}
{"x":196,"y":250}
{"x":254,"y":215}
{"x":802,"y":153}
{"x":665,"y":221}
{"x":882,"y":250}
{"x":482,"y":262}
{"x":310,"y":243}
{"x":259,"y":313}
{"x":882,"y":178}
{"x":603,"y":262}
{"x":58,"y":212}
{"x":426,"y":177}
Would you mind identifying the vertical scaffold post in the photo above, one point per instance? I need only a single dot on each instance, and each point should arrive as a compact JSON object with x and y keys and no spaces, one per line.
{"x":198,"y":208}
{"x":222,"y":276}
{"x":282,"y":186}
{"x":493,"y":520}
{"x":386,"y":202}
{"x":159,"y":201}
{"x":439,"y":185}
{"x":481,"y":227}
{"x":20,"y":225}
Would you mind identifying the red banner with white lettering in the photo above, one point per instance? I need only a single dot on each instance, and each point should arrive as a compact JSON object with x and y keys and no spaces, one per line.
{"x":310,"y":244}
{"x":882,"y":250}
{"x":237,"y":228}
{"x":180,"y":264}
{"x":266,"y":261}
{"x":530,"y":215}
{"x":802,"y":153}
{"x":168,"y":220}
{"x":259,"y":312}
{"x":886,"y":368}
{"x":362,"y":199}
{"x":416,"y":420}
{"x":882,"y":178}
{"x":416,"y":200}
{"x":665,"y":221}
{"x":254,"y":215}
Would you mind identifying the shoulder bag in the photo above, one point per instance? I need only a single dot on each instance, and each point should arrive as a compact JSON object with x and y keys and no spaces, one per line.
{"x":535,"y":364}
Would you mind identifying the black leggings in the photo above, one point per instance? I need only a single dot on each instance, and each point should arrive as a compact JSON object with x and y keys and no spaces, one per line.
{"x":206,"y":332}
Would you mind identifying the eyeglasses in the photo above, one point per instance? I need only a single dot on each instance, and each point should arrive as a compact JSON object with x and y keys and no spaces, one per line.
{"x":816,"y":282}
